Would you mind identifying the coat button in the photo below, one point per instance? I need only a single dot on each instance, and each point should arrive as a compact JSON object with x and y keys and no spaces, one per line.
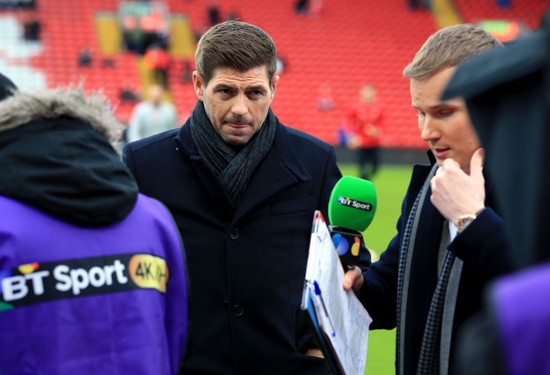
{"x":234,"y":234}
{"x":238,"y":310}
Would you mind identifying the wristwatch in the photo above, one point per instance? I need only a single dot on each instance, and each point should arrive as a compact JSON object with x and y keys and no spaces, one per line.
{"x":464,"y":221}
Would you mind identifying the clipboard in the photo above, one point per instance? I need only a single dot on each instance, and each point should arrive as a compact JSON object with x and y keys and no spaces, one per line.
{"x":307,"y":305}
{"x":337,"y":317}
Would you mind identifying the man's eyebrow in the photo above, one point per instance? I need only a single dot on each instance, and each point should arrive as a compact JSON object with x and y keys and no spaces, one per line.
{"x":256,"y":87}
{"x":435,"y":106}
{"x":222,"y":86}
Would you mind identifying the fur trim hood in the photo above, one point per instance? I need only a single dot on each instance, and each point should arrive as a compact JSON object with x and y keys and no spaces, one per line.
{"x":56,"y":155}
{"x":94,"y":109}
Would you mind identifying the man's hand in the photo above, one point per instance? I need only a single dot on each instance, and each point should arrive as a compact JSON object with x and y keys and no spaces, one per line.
{"x":456,"y":193}
{"x":353,"y":279}
{"x":352,"y":142}
{"x":315,"y":353}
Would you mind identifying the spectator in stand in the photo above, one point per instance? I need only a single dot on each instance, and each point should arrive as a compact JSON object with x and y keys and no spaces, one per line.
{"x":157,"y":61}
{"x":504,"y":4}
{"x":422,"y":4}
{"x":127,"y":93}
{"x":92,"y":273}
{"x":132,"y":34}
{"x":325,"y":98}
{"x":155,"y":30}
{"x":152,"y":116}
{"x":301,"y":7}
{"x":365,"y":121}
{"x":32,"y":27}
{"x":84,"y":57}
{"x":213,"y":12}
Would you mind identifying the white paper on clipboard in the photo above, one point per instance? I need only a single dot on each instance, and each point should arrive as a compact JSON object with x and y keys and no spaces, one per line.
{"x":343,"y":320}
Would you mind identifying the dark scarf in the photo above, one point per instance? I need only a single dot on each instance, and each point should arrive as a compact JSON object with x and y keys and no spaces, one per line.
{"x":434,"y":354}
{"x":233,"y":169}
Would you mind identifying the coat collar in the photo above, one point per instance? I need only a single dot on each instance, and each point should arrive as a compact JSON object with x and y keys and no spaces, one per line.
{"x":280,"y":169}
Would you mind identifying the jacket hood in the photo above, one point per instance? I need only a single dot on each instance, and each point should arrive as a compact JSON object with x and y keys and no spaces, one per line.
{"x":55,"y":155}
{"x":24,"y":107}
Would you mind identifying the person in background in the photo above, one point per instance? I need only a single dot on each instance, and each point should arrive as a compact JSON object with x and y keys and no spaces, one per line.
{"x":450,"y":242}
{"x":32,"y":27}
{"x":92,"y":273}
{"x":157,"y":60}
{"x":213,"y":10}
{"x":325,"y":98}
{"x":152,"y":116}
{"x":84,"y":57}
{"x":301,"y":7}
{"x":365,"y":121}
{"x":243,"y":189}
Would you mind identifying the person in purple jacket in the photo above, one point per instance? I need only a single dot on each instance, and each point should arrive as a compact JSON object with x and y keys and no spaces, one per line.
{"x":92,"y":273}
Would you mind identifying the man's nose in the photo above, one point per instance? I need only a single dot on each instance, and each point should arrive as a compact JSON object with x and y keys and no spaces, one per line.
{"x":429,"y":129}
{"x":240,"y":105}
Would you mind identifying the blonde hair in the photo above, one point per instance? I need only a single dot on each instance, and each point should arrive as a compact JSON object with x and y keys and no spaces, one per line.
{"x":448,"y":47}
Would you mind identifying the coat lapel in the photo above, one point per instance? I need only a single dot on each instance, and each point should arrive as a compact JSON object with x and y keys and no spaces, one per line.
{"x":214,"y":191}
{"x":279,"y":170}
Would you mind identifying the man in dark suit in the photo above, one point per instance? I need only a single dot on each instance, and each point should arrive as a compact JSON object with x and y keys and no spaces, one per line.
{"x":243,"y":189}
{"x":507,"y":92}
{"x":450,"y":240}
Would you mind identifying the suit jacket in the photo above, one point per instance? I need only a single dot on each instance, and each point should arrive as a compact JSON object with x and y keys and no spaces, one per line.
{"x":482,"y":247}
{"x":246,"y":263}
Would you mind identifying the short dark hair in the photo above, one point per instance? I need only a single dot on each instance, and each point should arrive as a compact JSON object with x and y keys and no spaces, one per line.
{"x":448,"y":47}
{"x":235,"y":45}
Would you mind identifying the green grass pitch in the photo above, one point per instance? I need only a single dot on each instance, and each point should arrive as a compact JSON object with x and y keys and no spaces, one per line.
{"x":391,"y":182}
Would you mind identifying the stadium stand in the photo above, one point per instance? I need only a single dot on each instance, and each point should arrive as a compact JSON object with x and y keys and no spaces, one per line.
{"x":344,"y":45}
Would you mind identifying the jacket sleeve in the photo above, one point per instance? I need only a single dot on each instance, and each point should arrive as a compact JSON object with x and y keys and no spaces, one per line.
{"x":379,"y":291}
{"x":484,"y":245}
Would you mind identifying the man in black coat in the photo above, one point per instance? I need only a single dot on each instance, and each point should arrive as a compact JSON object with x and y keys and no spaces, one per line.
{"x":243,"y":189}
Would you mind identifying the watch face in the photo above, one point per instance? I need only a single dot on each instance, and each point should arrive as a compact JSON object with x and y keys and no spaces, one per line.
{"x":464,"y":221}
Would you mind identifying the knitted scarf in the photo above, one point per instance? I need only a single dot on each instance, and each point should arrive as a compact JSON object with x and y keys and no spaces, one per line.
{"x":432,"y":358}
{"x":233,"y":169}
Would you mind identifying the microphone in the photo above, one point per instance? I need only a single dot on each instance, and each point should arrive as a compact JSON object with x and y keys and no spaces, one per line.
{"x":351,"y":208}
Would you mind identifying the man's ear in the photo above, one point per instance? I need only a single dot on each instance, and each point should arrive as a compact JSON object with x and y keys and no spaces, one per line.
{"x":274,"y":81}
{"x":198,"y":84}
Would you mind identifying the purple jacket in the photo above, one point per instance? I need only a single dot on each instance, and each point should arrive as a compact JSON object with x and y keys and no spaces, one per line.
{"x":103,"y":300}
{"x":522,"y":314}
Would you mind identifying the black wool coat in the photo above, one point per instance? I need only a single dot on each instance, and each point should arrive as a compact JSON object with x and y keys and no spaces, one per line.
{"x":246,"y":263}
